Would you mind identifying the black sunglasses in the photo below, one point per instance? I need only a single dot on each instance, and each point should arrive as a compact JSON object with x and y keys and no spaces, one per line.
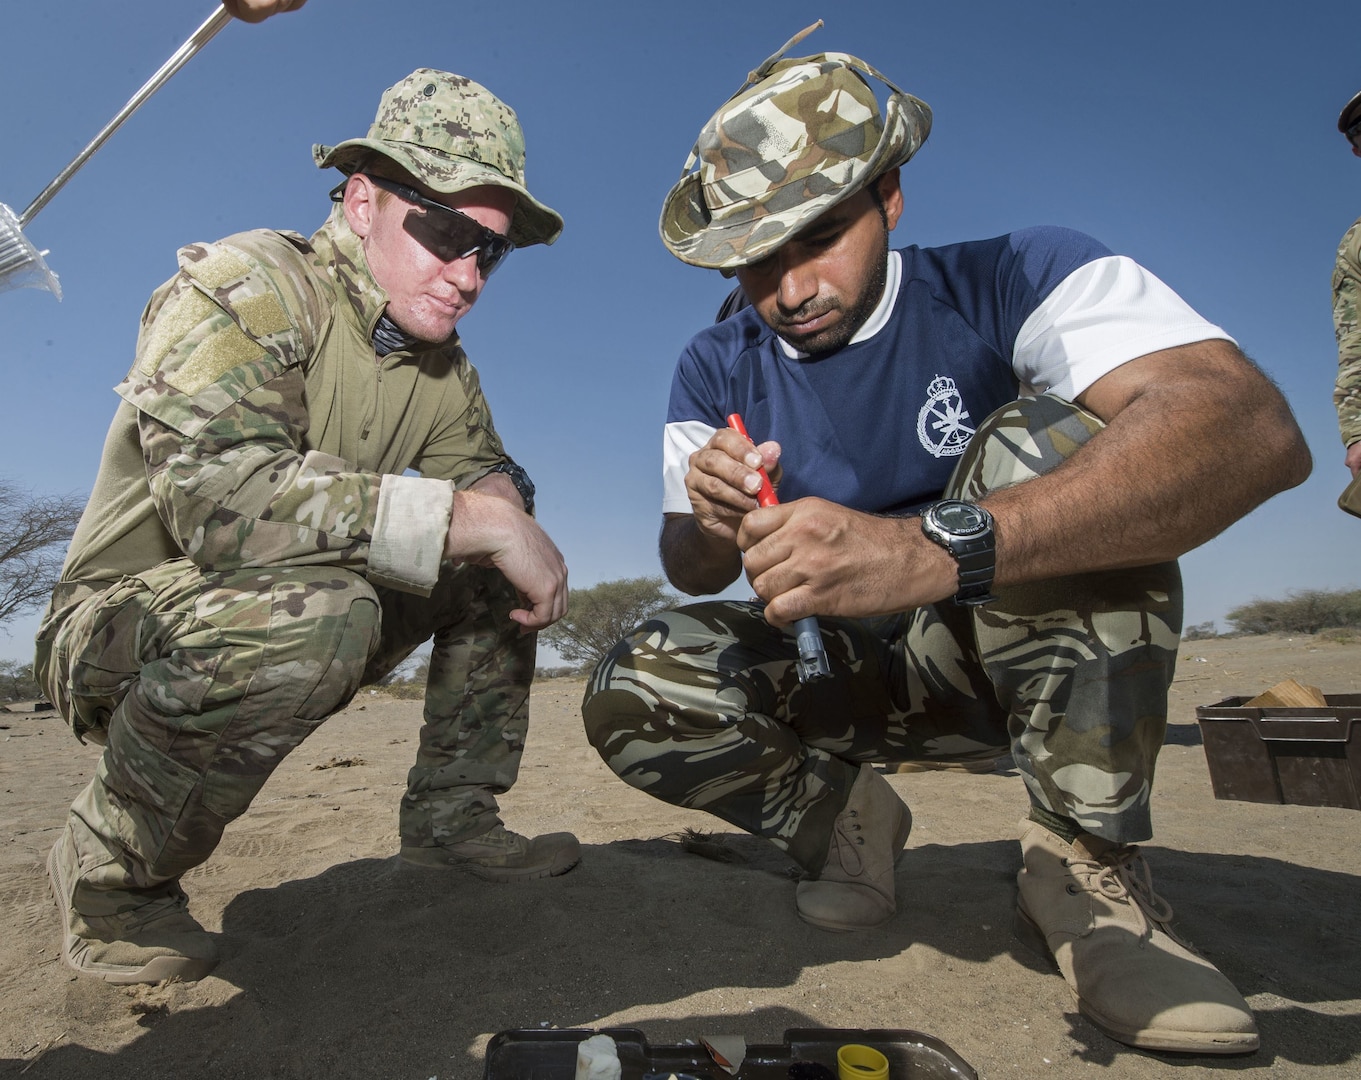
{"x":1355,"y":129}
{"x":447,"y":233}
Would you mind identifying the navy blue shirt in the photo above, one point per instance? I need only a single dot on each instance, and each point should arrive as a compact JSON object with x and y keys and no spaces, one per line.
{"x":879,"y":424}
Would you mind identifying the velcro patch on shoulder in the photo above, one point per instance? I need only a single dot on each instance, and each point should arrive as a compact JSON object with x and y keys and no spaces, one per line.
{"x":262,"y":314}
{"x":175,"y":320}
{"x":214,"y":356}
{"x":221,"y":267}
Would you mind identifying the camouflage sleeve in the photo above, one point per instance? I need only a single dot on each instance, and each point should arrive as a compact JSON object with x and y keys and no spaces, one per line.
{"x":1346,"y":304}
{"x":219,"y":387}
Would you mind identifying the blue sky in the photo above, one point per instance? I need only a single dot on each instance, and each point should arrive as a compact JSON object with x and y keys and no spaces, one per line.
{"x":1197,"y":137}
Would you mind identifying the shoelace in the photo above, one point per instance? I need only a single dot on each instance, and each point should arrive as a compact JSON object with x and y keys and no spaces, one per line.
{"x":500,"y":838}
{"x":1123,"y":874}
{"x":848,"y":842}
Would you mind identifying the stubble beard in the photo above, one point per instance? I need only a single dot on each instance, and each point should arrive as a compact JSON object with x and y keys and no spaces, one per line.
{"x":825,"y":342}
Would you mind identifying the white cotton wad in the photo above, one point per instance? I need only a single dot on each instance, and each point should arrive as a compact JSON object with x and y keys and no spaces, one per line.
{"x":597,"y":1059}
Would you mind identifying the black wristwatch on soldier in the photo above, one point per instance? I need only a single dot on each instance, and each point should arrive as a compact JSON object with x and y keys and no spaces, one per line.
{"x":523,"y":484}
{"x":964,"y":529}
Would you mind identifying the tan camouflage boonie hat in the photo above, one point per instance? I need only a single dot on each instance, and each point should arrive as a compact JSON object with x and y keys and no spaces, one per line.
{"x":799,"y":137}
{"x":451,"y":134}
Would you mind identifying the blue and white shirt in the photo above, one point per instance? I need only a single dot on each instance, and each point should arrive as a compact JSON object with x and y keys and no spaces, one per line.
{"x":961,"y":331}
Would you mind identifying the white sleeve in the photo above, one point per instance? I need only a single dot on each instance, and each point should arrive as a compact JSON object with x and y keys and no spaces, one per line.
{"x":1103,"y":314}
{"x":679,"y":441}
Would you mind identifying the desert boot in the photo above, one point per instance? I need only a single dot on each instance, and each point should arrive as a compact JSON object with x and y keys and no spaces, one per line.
{"x":144,"y":943}
{"x":1090,"y":905}
{"x":854,"y":889}
{"x":501,"y":855}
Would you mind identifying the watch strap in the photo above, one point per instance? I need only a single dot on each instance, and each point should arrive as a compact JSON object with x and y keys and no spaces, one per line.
{"x":523,"y":484}
{"x":977,"y":562}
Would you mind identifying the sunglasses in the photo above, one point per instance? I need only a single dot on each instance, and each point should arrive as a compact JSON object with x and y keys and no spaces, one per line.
{"x":447,"y":233}
{"x":1355,"y":130}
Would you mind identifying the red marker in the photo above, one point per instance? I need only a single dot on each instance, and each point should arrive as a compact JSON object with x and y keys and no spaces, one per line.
{"x":765,"y":495}
{"x":812,"y":664}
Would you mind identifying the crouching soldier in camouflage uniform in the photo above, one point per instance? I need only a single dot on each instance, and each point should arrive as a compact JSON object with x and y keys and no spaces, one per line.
{"x":1084,"y":427}
{"x":1347,"y":316}
{"x":255,"y":549}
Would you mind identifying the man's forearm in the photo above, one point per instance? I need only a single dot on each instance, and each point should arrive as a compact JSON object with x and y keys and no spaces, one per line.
{"x":694,"y":562}
{"x":1199,"y":440}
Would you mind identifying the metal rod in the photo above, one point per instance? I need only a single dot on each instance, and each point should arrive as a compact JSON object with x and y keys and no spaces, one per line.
{"x":215,"y":22}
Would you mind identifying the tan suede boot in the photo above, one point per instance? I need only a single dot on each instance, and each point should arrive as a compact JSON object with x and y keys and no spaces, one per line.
{"x":501,"y":855}
{"x":854,"y":889}
{"x":147,"y":944}
{"x":1091,"y":906}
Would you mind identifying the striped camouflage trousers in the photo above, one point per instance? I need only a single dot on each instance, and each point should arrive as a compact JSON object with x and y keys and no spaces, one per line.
{"x":701,"y":706}
{"x":199,"y":682}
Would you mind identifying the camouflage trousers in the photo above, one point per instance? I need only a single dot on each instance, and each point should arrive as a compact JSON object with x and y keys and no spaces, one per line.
{"x":199,"y":683}
{"x":702,"y":708}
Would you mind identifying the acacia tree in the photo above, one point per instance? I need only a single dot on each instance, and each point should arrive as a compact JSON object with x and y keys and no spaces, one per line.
{"x":17,"y":682}
{"x":599,"y":616}
{"x":1306,"y":611}
{"x":34,"y":530}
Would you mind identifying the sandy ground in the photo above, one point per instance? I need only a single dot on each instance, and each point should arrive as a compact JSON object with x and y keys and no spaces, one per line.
{"x":339,"y":964}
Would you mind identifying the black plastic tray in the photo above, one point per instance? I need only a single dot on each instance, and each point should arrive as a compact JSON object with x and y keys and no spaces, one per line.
{"x":551,"y":1054}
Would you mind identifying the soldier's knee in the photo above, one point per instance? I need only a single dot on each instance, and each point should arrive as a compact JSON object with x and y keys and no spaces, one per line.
{"x":343,"y":630}
{"x":296,"y":639}
{"x":606,"y":714}
{"x":603,"y":701}
{"x":613,"y":702}
{"x":1023,"y":439}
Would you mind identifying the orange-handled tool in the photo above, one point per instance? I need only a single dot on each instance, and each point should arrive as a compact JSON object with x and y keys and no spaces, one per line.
{"x":812,"y":663}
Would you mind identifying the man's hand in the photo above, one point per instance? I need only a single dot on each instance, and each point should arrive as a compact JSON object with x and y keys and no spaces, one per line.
{"x":699,"y":550}
{"x":254,"y":11}
{"x":813,"y":557}
{"x":723,"y":481}
{"x":488,"y":529}
{"x":1353,"y":458}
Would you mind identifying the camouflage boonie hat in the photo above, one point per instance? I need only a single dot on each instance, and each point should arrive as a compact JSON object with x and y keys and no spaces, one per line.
{"x":799,"y":137}
{"x":451,"y":134}
{"x":1351,"y":113}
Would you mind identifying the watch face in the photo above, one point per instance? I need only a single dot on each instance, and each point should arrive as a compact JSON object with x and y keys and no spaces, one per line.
{"x":960,"y":518}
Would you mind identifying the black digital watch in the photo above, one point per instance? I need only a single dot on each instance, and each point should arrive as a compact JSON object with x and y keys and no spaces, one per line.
{"x":965,"y":530}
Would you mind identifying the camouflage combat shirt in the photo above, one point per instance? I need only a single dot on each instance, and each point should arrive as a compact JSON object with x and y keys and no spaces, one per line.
{"x":1346,"y":304}
{"x":258,"y":426}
